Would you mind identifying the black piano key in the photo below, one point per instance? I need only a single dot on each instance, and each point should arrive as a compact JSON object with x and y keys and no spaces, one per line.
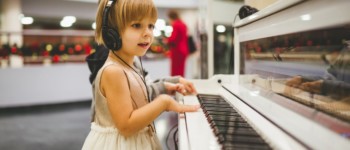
{"x":230,"y":118}
{"x":216,"y":105}
{"x":228,"y":121}
{"x":238,"y":138}
{"x":239,"y":131}
{"x":229,"y":124}
{"x":227,"y":118}
{"x":211,"y":100}
{"x":244,"y":139}
{"x":232,"y":130}
{"x":227,"y":129}
{"x":235,"y":146}
{"x":208,"y":96}
{"x":223,"y":113}
{"x":220,"y":110}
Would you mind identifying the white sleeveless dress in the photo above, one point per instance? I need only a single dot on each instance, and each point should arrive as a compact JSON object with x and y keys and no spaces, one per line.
{"x":104,"y":135}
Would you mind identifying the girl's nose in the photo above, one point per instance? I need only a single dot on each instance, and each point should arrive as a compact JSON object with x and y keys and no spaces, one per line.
{"x":148,"y":32}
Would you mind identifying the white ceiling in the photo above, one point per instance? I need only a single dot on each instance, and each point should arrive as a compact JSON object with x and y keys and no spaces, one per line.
{"x":86,"y":9}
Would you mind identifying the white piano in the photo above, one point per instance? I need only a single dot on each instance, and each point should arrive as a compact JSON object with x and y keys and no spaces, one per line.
{"x":257,"y":108}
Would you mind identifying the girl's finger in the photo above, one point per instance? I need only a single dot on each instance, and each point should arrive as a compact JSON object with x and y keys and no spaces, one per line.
{"x":189,"y":108}
{"x":181,"y":89}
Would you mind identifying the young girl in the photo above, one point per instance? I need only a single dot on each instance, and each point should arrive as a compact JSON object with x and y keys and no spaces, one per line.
{"x":122,"y":112}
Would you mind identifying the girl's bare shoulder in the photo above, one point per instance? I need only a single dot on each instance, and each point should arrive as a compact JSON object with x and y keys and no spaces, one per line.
{"x":113,"y":73}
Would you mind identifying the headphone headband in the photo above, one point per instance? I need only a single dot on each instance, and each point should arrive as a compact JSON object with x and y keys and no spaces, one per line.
{"x":106,"y":12}
{"x":110,"y":2}
{"x":110,"y":36}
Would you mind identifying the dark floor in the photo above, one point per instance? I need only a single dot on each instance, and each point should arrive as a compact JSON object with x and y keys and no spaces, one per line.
{"x":60,"y":127}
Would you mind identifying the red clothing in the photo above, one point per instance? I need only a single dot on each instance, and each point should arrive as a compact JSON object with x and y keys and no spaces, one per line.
{"x":178,"y":48}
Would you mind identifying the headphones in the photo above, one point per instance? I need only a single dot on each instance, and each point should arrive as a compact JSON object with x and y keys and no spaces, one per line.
{"x":110,"y":36}
{"x":246,"y":11}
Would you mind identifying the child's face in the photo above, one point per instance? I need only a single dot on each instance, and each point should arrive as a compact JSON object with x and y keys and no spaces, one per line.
{"x":138,"y":36}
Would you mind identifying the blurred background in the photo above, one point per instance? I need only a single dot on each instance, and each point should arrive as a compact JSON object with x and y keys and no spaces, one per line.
{"x":45,"y":93}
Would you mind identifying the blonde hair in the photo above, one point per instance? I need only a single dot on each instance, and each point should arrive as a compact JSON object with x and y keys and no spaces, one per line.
{"x":127,"y":11}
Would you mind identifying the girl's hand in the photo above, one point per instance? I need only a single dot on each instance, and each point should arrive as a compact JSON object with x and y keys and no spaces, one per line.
{"x":173,"y":105}
{"x":294,"y":82}
{"x":172,"y":88}
{"x":314,"y":86}
{"x":189,"y":87}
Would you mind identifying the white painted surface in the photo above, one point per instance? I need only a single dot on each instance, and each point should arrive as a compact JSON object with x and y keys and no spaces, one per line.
{"x":323,"y":14}
{"x":33,"y":85}
{"x":58,"y":83}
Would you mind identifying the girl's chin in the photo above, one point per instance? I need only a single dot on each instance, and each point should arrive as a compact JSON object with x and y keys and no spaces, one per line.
{"x":141,"y":53}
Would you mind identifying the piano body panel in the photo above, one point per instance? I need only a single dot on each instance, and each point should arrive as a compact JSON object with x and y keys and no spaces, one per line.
{"x":182,"y":132}
{"x":280,"y":127}
{"x":196,"y":132}
{"x":272,"y":134}
{"x":310,"y":133}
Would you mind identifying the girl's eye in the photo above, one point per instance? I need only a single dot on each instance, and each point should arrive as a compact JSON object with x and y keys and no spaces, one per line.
{"x":136,"y":25}
{"x":151,"y":26}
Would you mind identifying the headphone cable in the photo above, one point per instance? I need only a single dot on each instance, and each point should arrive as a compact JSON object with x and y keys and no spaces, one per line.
{"x":143,"y":78}
{"x":167,"y":137}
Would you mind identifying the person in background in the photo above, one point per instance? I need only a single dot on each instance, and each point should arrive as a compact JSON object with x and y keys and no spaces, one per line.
{"x":178,"y":44}
{"x":122,"y":113}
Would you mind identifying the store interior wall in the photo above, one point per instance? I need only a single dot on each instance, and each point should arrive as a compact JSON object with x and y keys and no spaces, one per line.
{"x":259,"y":4}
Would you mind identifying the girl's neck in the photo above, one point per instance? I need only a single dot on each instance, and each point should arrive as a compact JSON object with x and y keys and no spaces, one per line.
{"x":129,"y":59}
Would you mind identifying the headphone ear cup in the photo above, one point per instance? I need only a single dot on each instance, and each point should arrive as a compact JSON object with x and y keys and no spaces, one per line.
{"x":246,"y":11}
{"x":243,"y":11}
{"x":252,"y":10}
{"x":111,"y":38}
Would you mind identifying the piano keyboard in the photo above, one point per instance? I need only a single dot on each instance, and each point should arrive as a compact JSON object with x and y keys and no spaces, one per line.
{"x":231,"y":130}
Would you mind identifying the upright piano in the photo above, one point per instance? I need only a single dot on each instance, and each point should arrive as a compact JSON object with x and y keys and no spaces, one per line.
{"x":290,"y":88}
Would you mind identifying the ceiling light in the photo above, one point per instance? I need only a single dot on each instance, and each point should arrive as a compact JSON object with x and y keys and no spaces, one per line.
{"x":160,"y":24}
{"x":305,"y":17}
{"x":220,"y":28}
{"x":71,"y":19}
{"x":168,"y":31}
{"x":156,"y":33}
{"x":27,"y":20}
{"x":65,"y":23}
{"x":93,"y":25}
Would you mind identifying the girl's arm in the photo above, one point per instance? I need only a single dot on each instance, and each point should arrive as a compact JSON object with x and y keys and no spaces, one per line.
{"x":114,"y":86}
